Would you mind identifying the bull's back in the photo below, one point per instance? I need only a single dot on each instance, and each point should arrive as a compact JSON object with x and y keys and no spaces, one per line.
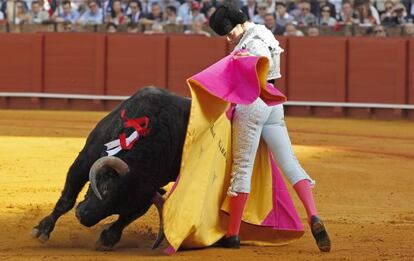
{"x":159,"y":153}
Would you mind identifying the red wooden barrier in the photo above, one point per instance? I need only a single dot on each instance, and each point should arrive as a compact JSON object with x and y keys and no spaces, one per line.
{"x":316,"y":71}
{"x":281,"y":83}
{"x":377,"y":72}
{"x":410,"y":96}
{"x":21,"y":62}
{"x":134,"y":61}
{"x":313,"y":69}
{"x":20,"y":68}
{"x":188,"y":55}
{"x":74,"y":63}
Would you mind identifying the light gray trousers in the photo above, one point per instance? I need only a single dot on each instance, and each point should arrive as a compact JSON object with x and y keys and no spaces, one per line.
{"x":250,"y":122}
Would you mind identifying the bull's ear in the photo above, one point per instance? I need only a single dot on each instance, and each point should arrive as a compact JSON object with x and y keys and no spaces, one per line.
{"x":104,"y":189}
{"x":117,"y":164}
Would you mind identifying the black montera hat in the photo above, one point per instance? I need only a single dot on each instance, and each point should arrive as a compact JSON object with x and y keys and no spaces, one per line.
{"x":225,"y":18}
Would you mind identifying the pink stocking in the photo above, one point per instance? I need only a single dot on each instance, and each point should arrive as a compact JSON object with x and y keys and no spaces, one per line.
{"x":304,"y":191}
{"x":237,"y":205}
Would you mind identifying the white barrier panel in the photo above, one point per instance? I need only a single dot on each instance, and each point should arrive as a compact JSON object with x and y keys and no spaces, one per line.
{"x":120,"y":98}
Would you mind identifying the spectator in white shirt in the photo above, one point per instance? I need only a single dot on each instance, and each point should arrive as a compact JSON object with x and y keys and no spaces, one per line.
{"x":21,"y":16}
{"x":37,"y":15}
{"x":261,"y":13}
{"x":374,"y":11}
{"x":365,"y":16}
{"x":250,"y":9}
{"x":93,"y":15}
{"x":271,"y":6}
{"x":184,"y":11}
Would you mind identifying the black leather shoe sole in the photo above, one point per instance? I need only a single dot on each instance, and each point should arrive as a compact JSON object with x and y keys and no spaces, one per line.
{"x":229,"y":242}
{"x":320,"y":234}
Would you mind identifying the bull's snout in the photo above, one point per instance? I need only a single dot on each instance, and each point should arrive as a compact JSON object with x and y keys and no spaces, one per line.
{"x":85,"y":217}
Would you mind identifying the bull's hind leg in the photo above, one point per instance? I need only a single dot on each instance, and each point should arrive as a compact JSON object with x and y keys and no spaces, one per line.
{"x":75,"y":180}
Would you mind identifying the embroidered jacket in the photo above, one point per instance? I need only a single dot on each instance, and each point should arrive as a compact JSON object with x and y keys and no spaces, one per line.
{"x":260,"y":41}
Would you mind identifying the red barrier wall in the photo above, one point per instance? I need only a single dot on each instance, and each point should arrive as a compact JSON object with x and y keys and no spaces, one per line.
{"x":316,"y":71}
{"x":21,"y":62}
{"x":281,"y":83}
{"x":377,"y":70}
{"x":133,"y":62}
{"x":188,"y":55}
{"x":410,"y":91}
{"x":74,"y":63}
{"x":313,"y":69}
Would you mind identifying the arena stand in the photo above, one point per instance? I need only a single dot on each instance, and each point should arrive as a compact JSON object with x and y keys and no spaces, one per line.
{"x":347,"y":18}
{"x":343,"y":30}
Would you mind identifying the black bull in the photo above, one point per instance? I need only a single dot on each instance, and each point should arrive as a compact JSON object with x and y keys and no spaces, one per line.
{"x":129,"y":183}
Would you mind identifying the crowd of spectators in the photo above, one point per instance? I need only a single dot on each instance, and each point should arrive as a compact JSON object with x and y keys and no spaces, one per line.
{"x":282,"y":17}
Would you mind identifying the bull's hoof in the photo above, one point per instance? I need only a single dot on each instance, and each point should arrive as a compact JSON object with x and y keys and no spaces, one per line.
{"x":107,"y":240}
{"x":43,"y":238}
{"x":43,"y":230}
{"x":101,"y":247}
{"x":36,"y":233}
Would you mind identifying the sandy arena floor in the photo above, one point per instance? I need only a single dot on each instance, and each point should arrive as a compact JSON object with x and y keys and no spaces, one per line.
{"x":364,"y":171}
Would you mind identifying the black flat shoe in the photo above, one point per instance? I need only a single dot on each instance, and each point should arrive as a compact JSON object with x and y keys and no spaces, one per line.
{"x":229,"y":242}
{"x":320,"y":234}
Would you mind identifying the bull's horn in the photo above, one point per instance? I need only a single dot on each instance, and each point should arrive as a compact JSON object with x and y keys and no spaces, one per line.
{"x":158,"y":201}
{"x":109,"y":161}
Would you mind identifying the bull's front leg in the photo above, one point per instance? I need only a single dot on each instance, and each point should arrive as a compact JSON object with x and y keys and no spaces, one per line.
{"x":75,"y":180}
{"x":111,"y":236}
